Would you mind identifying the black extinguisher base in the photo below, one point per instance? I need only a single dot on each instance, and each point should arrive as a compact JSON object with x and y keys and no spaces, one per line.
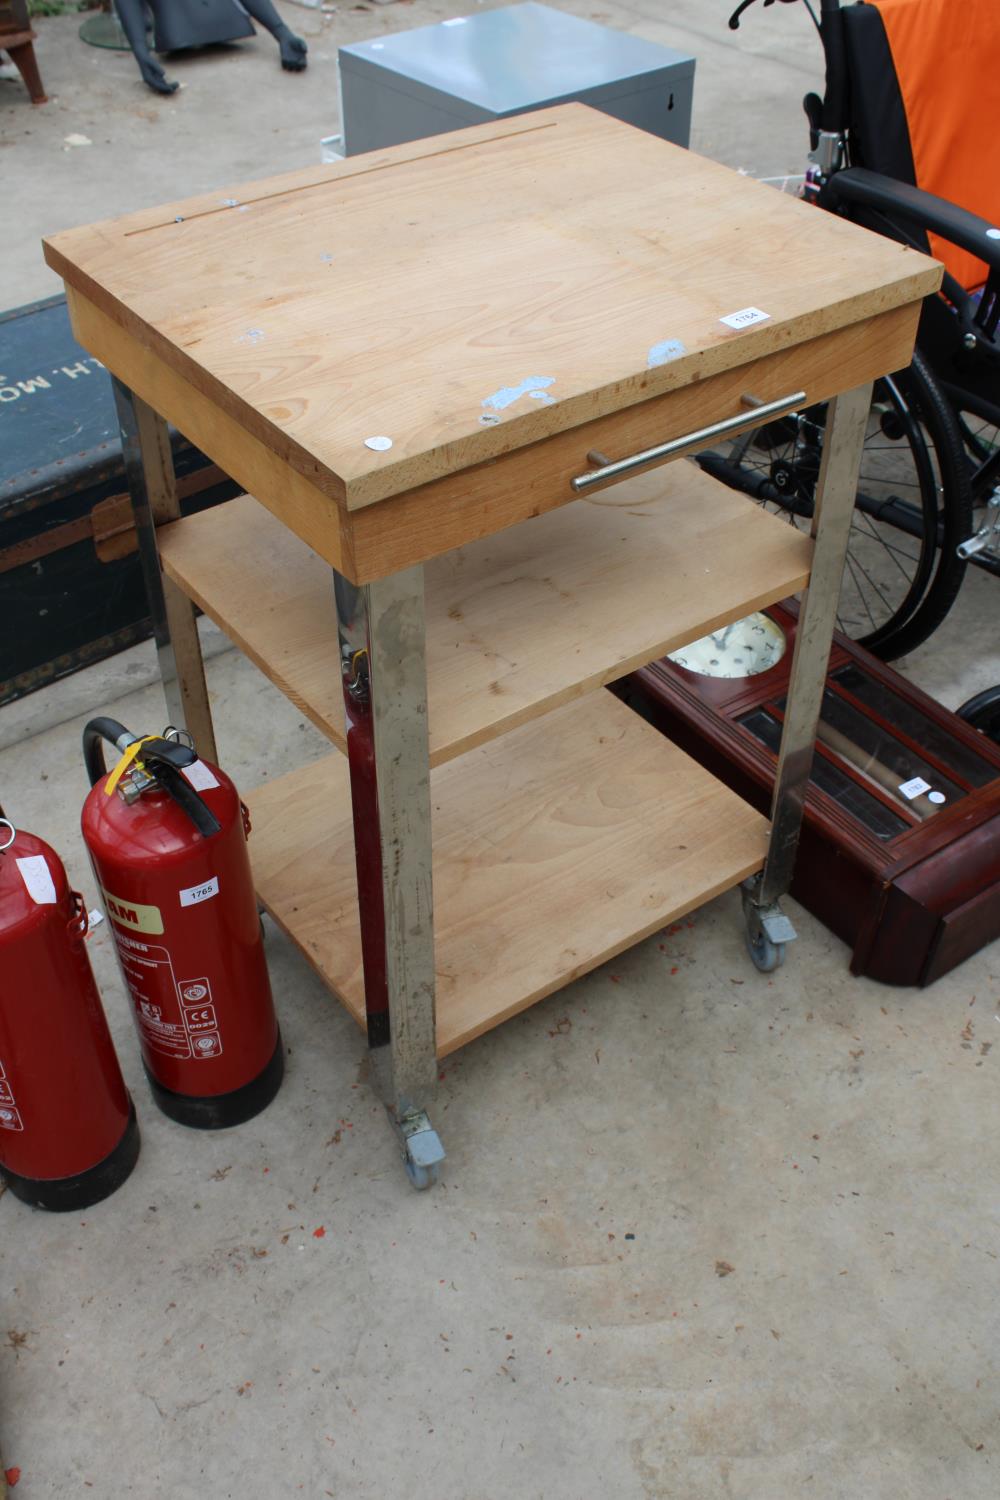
{"x":219,"y":1111}
{"x":70,"y":1194}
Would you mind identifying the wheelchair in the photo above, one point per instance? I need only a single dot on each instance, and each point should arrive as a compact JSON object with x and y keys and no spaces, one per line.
{"x":902,"y":142}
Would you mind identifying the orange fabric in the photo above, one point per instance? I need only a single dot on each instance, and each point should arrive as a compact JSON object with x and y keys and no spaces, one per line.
{"x":947,"y":59}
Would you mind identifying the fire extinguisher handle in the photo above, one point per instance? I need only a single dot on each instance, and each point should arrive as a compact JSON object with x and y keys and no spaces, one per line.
{"x":187,"y":798}
{"x":159,"y":751}
{"x":164,"y":759}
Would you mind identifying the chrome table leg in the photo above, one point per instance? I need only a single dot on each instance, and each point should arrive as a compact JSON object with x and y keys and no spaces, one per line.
{"x":381,"y":634}
{"x":768,"y":929}
{"x":149,"y":473}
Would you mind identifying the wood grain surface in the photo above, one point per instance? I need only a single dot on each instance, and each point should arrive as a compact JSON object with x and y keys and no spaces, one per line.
{"x":539,"y":273}
{"x":554,"y":848}
{"x":525,"y":483}
{"x":302,"y":506}
{"x":516,"y":624}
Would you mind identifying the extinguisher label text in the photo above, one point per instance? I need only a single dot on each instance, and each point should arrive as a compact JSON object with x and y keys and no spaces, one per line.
{"x":133,"y":914}
{"x":200,"y":1018}
{"x":10,"y":1115}
{"x":196,"y":893}
{"x":149,"y":975}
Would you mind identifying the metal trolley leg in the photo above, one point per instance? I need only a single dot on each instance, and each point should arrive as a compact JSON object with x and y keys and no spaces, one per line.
{"x":381,"y":633}
{"x":768,"y":929}
{"x":149,"y":472}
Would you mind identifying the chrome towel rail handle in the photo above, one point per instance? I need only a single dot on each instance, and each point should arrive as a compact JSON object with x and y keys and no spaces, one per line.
{"x":606,"y":470}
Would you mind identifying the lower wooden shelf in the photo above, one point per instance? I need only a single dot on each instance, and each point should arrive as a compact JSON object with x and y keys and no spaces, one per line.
{"x":555,"y":847}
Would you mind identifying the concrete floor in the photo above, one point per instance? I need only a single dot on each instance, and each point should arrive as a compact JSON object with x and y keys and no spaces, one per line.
{"x":753,"y":1221}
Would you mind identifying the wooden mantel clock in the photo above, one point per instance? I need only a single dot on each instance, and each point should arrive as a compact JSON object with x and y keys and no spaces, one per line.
{"x":900,"y":852}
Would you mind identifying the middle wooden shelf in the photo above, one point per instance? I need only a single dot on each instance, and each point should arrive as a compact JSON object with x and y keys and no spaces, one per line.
{"x":517,"y":623}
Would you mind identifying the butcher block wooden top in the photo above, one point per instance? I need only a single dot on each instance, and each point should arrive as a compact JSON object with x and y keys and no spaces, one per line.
{"x":381,"y":323}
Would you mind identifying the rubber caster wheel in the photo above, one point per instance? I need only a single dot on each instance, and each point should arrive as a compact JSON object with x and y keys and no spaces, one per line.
{"x":421,"y":1178}
{"x":423,"y":1152}
{"x":765,"y":955}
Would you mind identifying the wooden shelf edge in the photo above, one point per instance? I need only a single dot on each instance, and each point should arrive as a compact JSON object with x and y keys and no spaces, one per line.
{"x":573,"y":692}
{"x":245,"y":639}
{"x":518,"y":624}
{"x":452,"y":1040}
{"x":556,"y":849}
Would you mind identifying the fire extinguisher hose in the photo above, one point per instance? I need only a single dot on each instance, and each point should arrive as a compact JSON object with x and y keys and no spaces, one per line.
{"x":96,"y":731}
{"x":163,"y":759}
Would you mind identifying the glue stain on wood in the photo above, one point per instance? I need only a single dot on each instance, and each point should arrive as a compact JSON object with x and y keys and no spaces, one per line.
{"x":531,"y":385}
{"x":663,"y":352}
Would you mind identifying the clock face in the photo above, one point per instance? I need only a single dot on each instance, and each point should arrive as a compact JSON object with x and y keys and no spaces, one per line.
{"x":741,"y":649}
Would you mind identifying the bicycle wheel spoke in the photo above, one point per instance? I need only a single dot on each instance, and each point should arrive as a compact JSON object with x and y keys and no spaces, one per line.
{"x":860,"y":592}
{"x":897,"y":552}
{"x":871,"y":581}
{"x":894,"y":447}
{"x":740,"y":446}
{"x":897,"y":481}
{"x":893,"y":552}
{"x":911,"y":505}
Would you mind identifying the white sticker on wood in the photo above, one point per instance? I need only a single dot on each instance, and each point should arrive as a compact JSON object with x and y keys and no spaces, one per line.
{"x":745,"y":318}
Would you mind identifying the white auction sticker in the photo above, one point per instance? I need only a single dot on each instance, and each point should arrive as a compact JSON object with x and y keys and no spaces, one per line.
{"x":38,"y":879}
{"x":196,"y":893}
{"x":745,"y":318}
{"x":916,"y":787}
{"x":200,"y":777}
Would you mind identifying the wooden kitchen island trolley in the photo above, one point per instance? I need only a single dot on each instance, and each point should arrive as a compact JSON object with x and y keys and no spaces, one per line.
{"x":449,"y":377}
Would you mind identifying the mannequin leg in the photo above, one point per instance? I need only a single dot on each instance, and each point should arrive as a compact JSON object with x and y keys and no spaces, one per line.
{"x":132,"y":14}
{"x":293,"y":48}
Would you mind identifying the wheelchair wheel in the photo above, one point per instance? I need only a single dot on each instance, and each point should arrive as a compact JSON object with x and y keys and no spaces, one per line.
{"x":983,"y":713}
{"x":913,"y":505}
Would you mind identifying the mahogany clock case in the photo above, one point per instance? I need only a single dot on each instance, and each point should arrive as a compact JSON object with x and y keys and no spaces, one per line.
{"x":911,"y":881}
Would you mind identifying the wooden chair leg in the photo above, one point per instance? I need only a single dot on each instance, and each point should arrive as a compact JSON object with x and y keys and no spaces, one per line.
{"x":23,"y":56}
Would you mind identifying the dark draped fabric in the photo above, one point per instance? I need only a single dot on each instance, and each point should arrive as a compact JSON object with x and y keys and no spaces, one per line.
{"x":198,"y":23}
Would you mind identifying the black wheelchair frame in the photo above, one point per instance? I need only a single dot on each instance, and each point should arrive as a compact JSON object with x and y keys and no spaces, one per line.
{"x":953,"y":384}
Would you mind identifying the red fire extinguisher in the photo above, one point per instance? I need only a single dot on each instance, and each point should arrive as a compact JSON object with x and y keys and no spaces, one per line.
{"x":167,"y":837}
{"x":68,"y":1132}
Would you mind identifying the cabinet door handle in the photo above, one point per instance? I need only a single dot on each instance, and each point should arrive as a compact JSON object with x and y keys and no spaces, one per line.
{"x":608,"y":470}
